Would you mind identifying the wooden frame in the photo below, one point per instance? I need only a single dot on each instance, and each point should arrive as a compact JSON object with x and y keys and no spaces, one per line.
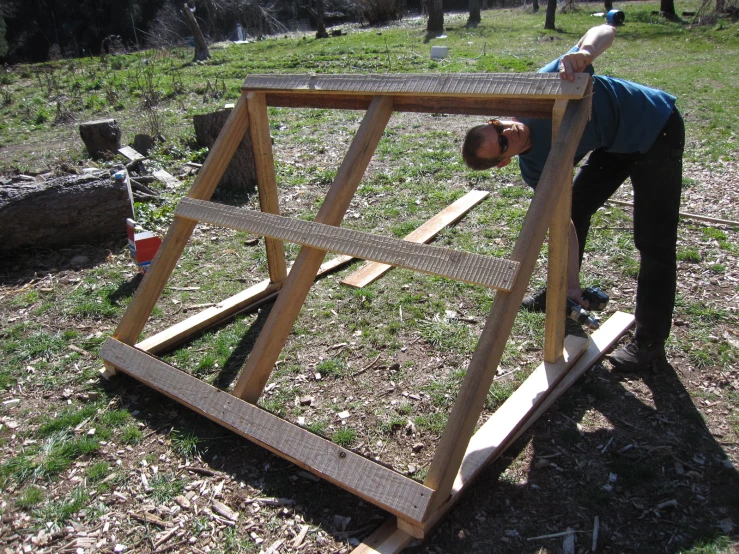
{"x":459,"y":456}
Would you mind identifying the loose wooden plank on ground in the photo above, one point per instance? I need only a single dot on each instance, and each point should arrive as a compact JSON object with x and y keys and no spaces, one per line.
{"x":435,"y":260}
{"x":365,"y":478}
{"x":131,"y":154}
{"x":452,"y":213}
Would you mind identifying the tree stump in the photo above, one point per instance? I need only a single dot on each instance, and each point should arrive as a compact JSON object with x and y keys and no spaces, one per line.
{"x":240,"y":177}
{"x":101,"y":137}
{"x":71,"y":210}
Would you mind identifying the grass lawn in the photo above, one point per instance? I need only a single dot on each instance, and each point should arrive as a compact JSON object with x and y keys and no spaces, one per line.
{"x":93,"y":464}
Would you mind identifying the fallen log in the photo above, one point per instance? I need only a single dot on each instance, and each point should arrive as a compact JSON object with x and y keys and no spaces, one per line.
{"x":70,"y":210}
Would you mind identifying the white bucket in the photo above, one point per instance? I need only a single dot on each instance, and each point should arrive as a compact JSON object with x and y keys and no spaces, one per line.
{"x":439,"y":52}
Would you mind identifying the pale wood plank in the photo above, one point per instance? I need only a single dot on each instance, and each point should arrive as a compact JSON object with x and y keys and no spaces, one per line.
{"x":559,"y":232}
{"x":281,"y":319}
{"x":131,"y":154}
{"x":169,"y":180}
{"x":357,"y":474}
{"x":505,"y":85}
{"x":434,"y":260}
{"x":248,"y":299}
{"x":266,"y":182}
{"x":481,"y":371}
{"x":484,"y":448}
{"x":451,"y":214}
{"x":387,"y":539}
{"x":179,"y":233}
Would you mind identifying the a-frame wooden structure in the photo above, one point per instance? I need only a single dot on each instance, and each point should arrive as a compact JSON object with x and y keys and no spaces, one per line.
{"x":459,"y":456}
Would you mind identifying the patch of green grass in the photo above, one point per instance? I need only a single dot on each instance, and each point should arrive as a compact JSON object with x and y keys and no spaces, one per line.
{"x":60,"y":511}
{"x":719,"y":545}
{"x":499,"y":393}
{"x":67,"y":420}
{"x":186,"y":443}
{"x":332,"y":366}
{"x":317,"y":427}
{"x":98,"y":471}
{"x":164,"y":487}
{"x":29,"y":497}
{"x":717,"y":268}
{"x":131,"y":434}
{"x":689,"y":255}
{"x":434,"y":422}
{"x":345,"y":437}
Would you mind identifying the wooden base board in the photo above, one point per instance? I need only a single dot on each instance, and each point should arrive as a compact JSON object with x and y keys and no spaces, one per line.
{"x":482,"y":451}
{"x":367,"y":479}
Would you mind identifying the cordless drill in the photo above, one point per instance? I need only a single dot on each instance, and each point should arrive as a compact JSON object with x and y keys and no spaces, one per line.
{"x":597,"y":301}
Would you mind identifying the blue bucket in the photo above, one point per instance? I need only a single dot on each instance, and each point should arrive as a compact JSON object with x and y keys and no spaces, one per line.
{"x":615,"y":17}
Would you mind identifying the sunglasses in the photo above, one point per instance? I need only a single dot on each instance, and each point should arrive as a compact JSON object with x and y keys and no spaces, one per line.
{"x":502,"y":140}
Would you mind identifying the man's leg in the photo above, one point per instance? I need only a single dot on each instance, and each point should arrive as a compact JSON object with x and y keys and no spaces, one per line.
{"x":595,"y":182}
{"x":657,"y":180}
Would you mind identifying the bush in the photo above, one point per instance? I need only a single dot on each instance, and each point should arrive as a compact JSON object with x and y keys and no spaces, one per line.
{"x":381,"y":11}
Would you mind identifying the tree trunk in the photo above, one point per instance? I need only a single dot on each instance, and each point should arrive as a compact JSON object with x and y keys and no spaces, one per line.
{"x":240,"y":177}
{"x":474,"y":19}
{"x":320,"y":15}
{"x":608,"y":5}
{"x":667,"y":9}
{"x":76,"y":209}
{"x":101,"y":137}
{"x":551,"y":10}
{"x":720,"y":6}
{"x":201,"y":47}
{"x":435,"y":25}
{"x":536,"y":6}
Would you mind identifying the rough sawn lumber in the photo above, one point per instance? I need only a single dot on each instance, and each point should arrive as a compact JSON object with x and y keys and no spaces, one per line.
{"x":381,"y":486}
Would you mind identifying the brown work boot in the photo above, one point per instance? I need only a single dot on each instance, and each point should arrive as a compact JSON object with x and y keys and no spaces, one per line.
{"x":639,"y":356}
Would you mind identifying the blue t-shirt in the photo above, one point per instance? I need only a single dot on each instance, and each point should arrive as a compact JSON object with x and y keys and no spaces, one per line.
{"x":626,"y":118}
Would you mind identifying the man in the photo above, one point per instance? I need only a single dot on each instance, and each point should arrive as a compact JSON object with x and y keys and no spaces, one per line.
{"x":634,"y":131}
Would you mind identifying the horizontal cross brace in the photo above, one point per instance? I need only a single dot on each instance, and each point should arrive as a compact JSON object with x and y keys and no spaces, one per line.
{"x":462,"y":266}
{"x":528,"y":85}
{"x":367,"y":479}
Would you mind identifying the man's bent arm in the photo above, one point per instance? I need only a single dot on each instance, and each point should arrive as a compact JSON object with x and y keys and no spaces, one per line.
{"x":593,"y":43}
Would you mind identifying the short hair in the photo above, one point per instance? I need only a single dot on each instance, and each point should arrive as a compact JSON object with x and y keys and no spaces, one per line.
{"x":472,"y":144}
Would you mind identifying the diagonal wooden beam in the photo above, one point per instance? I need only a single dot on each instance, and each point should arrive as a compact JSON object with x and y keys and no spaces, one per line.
{"x":281,"y":319}
{"x":481,"y":371}
{"x":435,"y":260}
{"x":365,"y":478}
{"x":179,"y":233}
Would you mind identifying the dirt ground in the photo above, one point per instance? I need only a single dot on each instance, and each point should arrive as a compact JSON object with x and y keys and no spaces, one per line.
{"x":651,"y":458}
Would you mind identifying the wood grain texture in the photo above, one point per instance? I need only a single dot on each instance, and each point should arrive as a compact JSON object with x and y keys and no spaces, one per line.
{"x":361,"y":476}
{"x":505,"y":85}
{"x":282,"y":317}
{"x":148,"y":292}
{"x":372,"y":271}
{"x":266,"y":182}
{"x":462,"y":266}
{"x":243,"y":301}
{"x":484,"y":449}
{"x":387,"y":539}
{"x":559,"y":233}
{"x":486,"y":358}
{"x":478,"y":105}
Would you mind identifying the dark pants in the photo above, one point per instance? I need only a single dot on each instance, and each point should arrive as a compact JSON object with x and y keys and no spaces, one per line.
{"x":657,"y":180}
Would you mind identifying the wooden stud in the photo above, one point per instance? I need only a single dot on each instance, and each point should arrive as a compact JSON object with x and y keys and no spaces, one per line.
{"x":435,"y":260}
{"x":471,"y":399}
{"x":266,"y":183}
{"x":372,"y":271}
{"x":281,"y":319}
{"x":559,"y":233}
{"x":179,"y":233}
{"x":369,"y":480}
